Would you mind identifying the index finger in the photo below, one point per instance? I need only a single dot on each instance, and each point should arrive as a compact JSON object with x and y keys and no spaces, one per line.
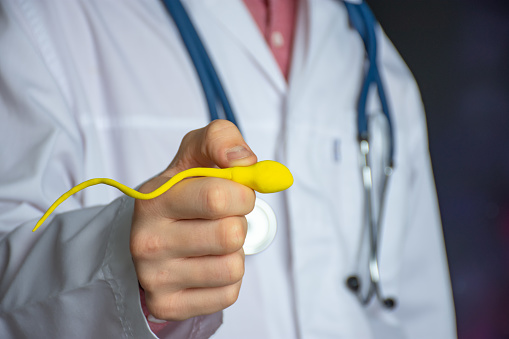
{"x":205,"y":198}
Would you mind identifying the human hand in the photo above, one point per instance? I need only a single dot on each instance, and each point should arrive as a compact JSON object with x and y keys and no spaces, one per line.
{"x":187,"y":243}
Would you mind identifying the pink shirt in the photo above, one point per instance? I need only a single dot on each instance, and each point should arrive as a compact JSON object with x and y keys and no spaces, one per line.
{"x":276,"y":21}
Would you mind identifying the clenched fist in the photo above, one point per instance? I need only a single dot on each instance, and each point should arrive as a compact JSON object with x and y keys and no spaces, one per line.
{"x":187,"y":243}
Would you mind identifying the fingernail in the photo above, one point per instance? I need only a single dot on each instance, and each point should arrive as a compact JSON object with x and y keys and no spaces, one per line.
{"x":237,"y":153}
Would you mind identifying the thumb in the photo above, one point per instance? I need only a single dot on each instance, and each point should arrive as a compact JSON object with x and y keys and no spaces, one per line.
{"x":219,"y":144}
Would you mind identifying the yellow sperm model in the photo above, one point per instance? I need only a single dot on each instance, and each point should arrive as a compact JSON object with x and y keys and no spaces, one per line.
{"x":265,"y":177}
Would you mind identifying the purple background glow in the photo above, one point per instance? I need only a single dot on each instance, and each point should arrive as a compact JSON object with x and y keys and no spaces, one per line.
{"x":459,"y":54}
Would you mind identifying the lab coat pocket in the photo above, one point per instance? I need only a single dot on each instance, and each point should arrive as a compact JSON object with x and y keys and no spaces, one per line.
{"x":316,"y":157}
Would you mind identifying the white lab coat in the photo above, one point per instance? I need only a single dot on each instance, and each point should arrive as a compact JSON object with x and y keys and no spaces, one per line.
{"x":106,"y":89}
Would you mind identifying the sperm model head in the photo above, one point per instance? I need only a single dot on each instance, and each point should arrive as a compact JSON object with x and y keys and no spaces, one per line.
{"x":264,"y":176}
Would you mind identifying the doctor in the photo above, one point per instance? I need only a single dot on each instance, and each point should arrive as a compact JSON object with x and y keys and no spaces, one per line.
{"x":107,"y":89}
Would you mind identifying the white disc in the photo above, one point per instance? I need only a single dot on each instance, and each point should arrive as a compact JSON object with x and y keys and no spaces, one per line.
{"x":261,"y":228}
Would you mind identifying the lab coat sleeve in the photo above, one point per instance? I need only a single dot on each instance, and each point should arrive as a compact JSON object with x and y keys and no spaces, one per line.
{"x":425,"y":306}
{"x":74,"y":277}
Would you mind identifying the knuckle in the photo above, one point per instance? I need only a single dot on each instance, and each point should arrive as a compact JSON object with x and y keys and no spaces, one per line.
{"x":231,"y":295}
{"x":243,"y":228}
{"x":159,"y":309}
{"x":150,"y":281}
{"x":167,"y":308}
{"x":144,"y":245}
{"x":232,"y":233}
{"x":217,"y":127}
{"x":235,"y":267}
{"x":154,"y":306}
{"x":169,"y":278}
{"x":249,"y":199}
{"x":147,"y":283}
{"x":216,"y":199}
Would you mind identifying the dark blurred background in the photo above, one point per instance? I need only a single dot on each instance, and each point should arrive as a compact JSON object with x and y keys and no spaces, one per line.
{"x":459,"y":53}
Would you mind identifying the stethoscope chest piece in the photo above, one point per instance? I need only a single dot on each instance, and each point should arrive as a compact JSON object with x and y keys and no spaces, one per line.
{"x":261,"y":228}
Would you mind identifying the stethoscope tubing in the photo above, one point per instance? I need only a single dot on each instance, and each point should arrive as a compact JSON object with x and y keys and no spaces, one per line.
{"x":212,"y":87}
{"x":362,"y":19}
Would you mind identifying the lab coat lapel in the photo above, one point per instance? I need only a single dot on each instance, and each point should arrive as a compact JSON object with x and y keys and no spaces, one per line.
{"x":313,"y":32}
{"x":309,"y":36}
{"x":236,"y":20}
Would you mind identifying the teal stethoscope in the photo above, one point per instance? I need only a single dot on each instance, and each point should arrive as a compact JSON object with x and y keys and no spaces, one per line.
{"x":362,"y":19}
